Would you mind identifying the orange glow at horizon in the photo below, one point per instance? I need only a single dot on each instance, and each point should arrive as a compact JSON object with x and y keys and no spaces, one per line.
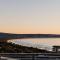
{"x":31,"y":30}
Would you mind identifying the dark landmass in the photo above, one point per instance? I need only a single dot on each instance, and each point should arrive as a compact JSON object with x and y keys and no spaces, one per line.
{"x":6,"y":36}
{"x":15,"y":48}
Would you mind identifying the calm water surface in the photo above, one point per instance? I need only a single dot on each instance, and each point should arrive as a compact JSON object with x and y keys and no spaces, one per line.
{"x":47,"y":41}
{"x":41,"y":43}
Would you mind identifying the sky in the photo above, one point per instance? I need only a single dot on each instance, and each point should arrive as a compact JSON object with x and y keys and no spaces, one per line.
{"x":30,"y":16}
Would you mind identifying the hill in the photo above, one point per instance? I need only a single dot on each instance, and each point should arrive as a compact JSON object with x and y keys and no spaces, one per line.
{"x":6,"y":36}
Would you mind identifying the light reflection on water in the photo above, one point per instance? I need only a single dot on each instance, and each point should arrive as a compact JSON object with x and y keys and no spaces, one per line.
{"x":49,"y":41}
{"x":41,"y":43}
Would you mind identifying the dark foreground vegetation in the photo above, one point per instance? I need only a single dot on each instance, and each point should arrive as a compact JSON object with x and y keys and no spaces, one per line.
{"x":14,"y":48}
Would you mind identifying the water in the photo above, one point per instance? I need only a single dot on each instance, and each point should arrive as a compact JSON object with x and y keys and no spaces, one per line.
{"x":41,"y":43}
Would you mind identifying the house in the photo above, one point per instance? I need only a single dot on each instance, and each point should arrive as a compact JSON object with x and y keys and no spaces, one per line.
{"x":56,"y":49}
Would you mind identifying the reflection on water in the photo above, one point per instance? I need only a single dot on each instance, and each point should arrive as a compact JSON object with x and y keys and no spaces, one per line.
{"x":41,"y":43}
{"x":48,"y":41}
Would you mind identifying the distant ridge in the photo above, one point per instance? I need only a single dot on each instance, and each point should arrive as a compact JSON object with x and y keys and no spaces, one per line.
{"x":2,"y":34}
{"x":6,"y":36}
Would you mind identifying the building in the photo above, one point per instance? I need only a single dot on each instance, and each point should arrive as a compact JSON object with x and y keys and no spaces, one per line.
{"x":56,"y":49}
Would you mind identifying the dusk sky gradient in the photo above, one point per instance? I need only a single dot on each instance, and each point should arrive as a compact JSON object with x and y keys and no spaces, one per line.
{"x":30,"y":16}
